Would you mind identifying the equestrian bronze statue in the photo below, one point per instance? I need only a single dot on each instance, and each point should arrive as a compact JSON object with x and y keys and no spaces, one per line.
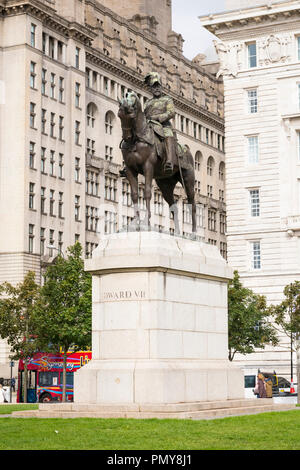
{"x":150,"y":148}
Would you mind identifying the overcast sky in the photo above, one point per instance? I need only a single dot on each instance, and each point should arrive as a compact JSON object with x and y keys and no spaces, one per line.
{"x":186,"y":22}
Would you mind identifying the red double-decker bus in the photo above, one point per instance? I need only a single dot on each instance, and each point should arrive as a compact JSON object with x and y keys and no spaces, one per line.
{"x":45,"y":376}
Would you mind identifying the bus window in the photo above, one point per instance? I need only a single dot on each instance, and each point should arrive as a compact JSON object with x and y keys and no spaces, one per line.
{"x":250,"y":381}
{"x":69,"y":379}
{"x":48,"y":379}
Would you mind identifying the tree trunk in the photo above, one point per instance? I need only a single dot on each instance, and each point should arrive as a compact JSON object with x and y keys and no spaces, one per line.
{"x":64,"y":394}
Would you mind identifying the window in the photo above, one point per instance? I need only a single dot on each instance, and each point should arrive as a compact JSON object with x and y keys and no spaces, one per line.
{"x":77,"y":95}
{"x":32,"y":115}
{"x":43,"y":201}
{"x":200,"y":215}
{"x":42,"y":241}
{"x":77,"y":132}
{"x":212,"y":220}
{"x":108,"y":153}
{"x":92,"y":183}
{"x":158,"y":203}
{"x":90,"y":146}
{"x":126,"y":194}
{"x":198,"y":160}
{"x":32,"y":75}
{"x":60,"y":205}
{"x":221,"y":171}
{"x":253,"y":150}
{"x":32,"y":35}
{"x":61,"y":91}
{"x":252,"y":101}
{"x":31,"y":155}
{"x":222,"y":224}
{"x":52,"y":85}
{"x":77,"y":57}
{"x":43,"y":160}
{"x":44,"y":42}
{"x":30,"y":238}
{"x":31,"y":195}
{"x":43,"y":121}
{"x":110,"y":188}
{"x":254,"y":203}
{"x":252,"y":55}
{"x":109,"y":117}
{"x":77,"y":170}
{"x":209,"y":191}
{"x":210,"y":166}
{"x":91,"y":112}
{"x":51,"y":47}
{"x":223,"y":249}
{"x":61,"y":128}
{"x":52,"y":202}
{"x":52,"y":125}
{"x":221,"y":195}
{"x":91,"y":218}
{"x":44,"y":81}
{"x":52,"y":163}
{"x":51,"y":242}
{"x":60,"y":51}
{"x":60,"y":247}
{"x":255,"y":255}
{"x":110,"y":222}
{"x":61,"y":166}
{"x":77,"y":208}
{"x":186,"y":213}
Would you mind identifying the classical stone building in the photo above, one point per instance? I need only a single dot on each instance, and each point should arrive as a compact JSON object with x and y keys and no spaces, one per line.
{"x":260,"y":62}
{"x":63,"y":66}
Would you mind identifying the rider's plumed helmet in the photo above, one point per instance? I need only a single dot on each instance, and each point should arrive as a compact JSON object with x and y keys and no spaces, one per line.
{"x":152,"y":78}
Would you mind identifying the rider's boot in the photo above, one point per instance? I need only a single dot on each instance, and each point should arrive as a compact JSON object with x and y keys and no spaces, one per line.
{"x":170,"y":152}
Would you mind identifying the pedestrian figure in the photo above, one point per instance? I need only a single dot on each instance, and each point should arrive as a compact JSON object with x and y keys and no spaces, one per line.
{"x":261,"y":389}
{"x":269,"y":387}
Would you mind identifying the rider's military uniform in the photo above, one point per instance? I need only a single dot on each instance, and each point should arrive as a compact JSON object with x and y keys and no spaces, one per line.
{"x":162,"y":110}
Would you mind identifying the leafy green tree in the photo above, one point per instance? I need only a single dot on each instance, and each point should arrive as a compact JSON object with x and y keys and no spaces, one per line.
{"x":249,"y":327}
{"x":64,"y":312}
{"x":17,"y":320}
{"x":287,"y":317}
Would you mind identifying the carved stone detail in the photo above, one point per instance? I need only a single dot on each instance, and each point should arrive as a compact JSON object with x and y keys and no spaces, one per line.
{"x":275,"y":49}
{"x":230,"y":58}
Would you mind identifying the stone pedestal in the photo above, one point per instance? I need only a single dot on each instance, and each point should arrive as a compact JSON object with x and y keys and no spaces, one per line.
{"x":159,"y":323}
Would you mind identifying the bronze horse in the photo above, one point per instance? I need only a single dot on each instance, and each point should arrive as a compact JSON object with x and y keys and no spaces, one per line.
{"x":140,"y":156}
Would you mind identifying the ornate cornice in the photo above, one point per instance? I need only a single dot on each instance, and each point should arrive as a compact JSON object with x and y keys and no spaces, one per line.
{"x":254,"y":18}
{"x":48,"y":16}
{"x":95,"y":57}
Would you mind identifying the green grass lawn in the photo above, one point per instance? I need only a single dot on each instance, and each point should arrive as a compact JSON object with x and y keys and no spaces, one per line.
{"x":8,"y":409}
{"x":269,"y":431}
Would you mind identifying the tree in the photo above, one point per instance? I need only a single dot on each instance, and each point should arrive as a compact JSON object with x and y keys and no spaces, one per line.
{"x":249,"y":327}
{"x":17,"y":324}
{"x":287,"y":316}
{"x":64,"y":311}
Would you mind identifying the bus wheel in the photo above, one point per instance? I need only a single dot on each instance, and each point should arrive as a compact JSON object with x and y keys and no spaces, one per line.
{"x":46,"y":398}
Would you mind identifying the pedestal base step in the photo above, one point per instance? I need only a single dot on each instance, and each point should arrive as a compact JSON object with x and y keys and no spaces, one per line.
{"x":201,"y":410}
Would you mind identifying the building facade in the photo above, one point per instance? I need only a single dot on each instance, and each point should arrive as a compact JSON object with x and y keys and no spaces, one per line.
{"x":259,"y":51}
{"x":63,"y":66}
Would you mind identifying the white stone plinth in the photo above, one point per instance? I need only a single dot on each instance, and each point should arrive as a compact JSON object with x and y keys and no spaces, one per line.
{"x":159,"y":323}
